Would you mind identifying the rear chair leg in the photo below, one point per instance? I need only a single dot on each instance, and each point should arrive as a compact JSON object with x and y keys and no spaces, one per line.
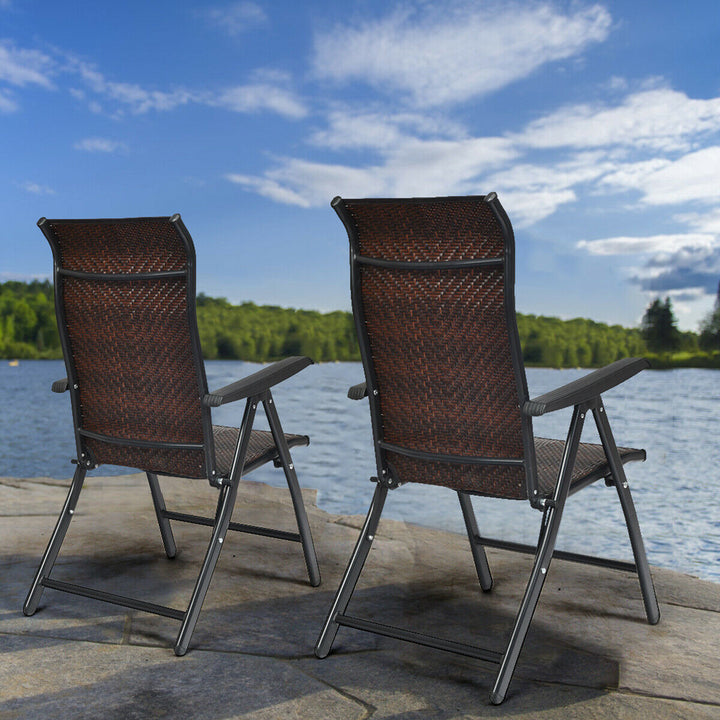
{"x":56,"y":540}
{"x":478,"y":551}
{"x":354,"y":568}
{"x":303,"y":524}
{"x":159,"y":503}
{"x":621,"y":484}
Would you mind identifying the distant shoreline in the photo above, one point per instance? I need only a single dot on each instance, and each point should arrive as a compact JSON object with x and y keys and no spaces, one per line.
{"x":657,"y":362}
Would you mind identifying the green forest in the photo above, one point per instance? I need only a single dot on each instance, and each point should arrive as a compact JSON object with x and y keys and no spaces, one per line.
{"x":265,"y":332}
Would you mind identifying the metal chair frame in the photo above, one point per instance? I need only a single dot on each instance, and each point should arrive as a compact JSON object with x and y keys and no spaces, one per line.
{"x":254,"y":389}
{"x":584,"y":395}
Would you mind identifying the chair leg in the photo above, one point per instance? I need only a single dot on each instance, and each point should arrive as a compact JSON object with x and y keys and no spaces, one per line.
{"x":159,"y":504}
{"x":647,"y":587}
{"x":311,"y":561}
{"x":228,"y":494}
{"x":546,"y":545}
{"x":56,"y":540}
{"x":223,"y":514}
{"x":478,"y":551}
{"x":352,"y":573}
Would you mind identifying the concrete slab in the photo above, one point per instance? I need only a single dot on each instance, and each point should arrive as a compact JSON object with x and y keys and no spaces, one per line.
{"x":589,"y":654}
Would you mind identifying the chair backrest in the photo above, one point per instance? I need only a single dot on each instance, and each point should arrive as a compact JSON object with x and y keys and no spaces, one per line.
{"x":125,"y":305}
{"x":432,"y":284}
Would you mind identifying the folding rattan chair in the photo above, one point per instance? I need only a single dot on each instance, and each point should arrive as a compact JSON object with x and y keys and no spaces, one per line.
{"x":125,"y":303}
{"x":432,"y":285}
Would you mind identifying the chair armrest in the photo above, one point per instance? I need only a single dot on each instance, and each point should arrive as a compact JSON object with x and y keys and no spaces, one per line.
{"x":258,"y":382}
{"x":358,"y":392}
{"x":60,"y":386}
{"x":587,"y":387}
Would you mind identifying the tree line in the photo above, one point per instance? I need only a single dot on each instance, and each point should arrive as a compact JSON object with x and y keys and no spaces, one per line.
{"x":265,"y":332}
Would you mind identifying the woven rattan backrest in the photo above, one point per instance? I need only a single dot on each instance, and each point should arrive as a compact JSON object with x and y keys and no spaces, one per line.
{"x":125,"y":302}
{"x":433,"y":299}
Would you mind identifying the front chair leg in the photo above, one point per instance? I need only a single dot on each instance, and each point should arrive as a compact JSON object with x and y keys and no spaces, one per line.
{"x":478,"y":551}
{"x":288,"y":466}
{"x":352,"y":573}
{"x":56,"y":540}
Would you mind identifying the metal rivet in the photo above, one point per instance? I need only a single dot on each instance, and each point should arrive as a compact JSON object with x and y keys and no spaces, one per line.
{"x":270,"y":401}
{"x":625,"y":484}
{"x":254,"y":406}
{"x":291,"y":466}
{"x":75,"y":386}
{"x":72,"y":512}
{"x":601,"y":408}
{"x":582,"y":416}
{"x":375,"y":392}
{"x":371,"y":538}
{"x":220,"y":540}
{"x":543,"y":570}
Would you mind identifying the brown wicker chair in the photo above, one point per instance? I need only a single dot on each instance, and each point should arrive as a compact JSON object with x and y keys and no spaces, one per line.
{"x":125,"y":303}
{"x":432,"y":285}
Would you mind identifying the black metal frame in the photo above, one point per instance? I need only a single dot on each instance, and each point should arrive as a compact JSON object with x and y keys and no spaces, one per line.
{"x":255,"y":389}
{"x":584,"y":395}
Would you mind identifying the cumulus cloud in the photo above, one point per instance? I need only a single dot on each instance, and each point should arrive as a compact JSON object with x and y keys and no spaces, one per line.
{"x":659,"y":119}
{"x":408,"y":166}
{"x":694,"y":177}
{"x":439,"y":55}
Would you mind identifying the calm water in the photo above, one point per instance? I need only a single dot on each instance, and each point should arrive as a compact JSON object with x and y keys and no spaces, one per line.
{"x":673,"y":414}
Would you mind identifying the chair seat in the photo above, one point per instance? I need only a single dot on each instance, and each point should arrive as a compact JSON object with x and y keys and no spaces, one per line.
{"x":261,"y":448}
{"x":590,"y":464}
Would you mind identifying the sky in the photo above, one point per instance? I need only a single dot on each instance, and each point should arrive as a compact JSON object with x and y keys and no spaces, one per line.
{"x":598,"y":125}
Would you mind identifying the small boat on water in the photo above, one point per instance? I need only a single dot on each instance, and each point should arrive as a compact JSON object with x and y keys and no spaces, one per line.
{"x":14,"y":363}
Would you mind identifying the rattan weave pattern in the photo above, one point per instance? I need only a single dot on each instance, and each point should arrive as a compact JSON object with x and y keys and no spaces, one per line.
{"x":112,"y":247}
{"x":433,"y":230}
{"x":439,"y":342}
{"x":261,"y":447}
{"x":130,"y":343}
{"x":590,"y":460}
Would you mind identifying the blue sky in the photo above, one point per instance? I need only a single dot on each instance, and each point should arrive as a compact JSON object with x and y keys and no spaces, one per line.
{"x":598,"y":125}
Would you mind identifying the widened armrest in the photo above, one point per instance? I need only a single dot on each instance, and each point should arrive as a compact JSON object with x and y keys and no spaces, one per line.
{"x":60,"y":386}
{"x":358,"y":392}
{"x":257,"y":382}
{"x":587,"y":387}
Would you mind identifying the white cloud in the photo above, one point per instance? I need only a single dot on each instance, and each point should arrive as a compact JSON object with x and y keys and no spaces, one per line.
{"x":238,"y":17}
{"x":627,"y":245}
{"x":98,"y":144}
{"x":660,"y":119}
{"x":7,"y":104}
{"x":136,"y":98}
{"x":35,"y":188}
{"x":692,"y":177}
{"x":409,"y":167}
{"x":21,"y":67}
{"x":439,"y":55}
{"x":262,"y":96}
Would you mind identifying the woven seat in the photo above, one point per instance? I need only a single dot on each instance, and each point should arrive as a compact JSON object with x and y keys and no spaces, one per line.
{"x":125,"y":304}
{"x":432,"y":283}
{"x":261,"y":447}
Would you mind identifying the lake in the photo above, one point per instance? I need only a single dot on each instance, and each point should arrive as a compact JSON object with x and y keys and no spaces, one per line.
{"x":673,"y":414}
